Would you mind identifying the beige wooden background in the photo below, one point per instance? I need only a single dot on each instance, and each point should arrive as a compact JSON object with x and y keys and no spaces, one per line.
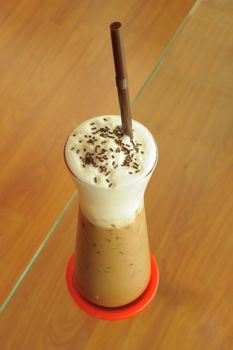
{"x":188,"y":105}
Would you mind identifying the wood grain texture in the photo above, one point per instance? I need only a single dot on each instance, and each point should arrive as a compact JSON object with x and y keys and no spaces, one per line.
{"x":189,"y":208}
{"x":56,"y":70}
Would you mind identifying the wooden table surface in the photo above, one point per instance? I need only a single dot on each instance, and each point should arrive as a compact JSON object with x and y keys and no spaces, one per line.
{"x":57,"y":70}
{"x":187,"y":103}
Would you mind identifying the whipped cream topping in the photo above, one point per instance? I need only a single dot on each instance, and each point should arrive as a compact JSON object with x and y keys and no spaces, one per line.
{"x":98,"y":153}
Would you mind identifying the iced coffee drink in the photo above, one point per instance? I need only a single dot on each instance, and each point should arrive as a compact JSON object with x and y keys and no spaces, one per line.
{"x":111,"y":171}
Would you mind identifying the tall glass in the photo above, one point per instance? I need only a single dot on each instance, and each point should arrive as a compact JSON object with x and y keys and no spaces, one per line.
{"x":112,"y":256}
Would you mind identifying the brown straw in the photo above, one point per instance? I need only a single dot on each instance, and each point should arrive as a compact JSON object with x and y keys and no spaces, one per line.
{"x":121,"y":78}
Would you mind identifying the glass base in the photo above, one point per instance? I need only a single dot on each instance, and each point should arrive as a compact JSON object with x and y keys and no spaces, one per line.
{"x":114,"y":313}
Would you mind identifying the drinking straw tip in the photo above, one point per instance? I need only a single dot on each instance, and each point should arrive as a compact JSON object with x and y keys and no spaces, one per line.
{"x":115,"y":25}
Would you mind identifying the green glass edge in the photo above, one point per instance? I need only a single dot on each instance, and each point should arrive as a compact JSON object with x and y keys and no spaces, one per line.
{"x":165,"y":52}
{"x":74,"y":195}
{"x":39,"y":249}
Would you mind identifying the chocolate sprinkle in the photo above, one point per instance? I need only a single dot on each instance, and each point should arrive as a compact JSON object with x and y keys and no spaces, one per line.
{"x":97,"y":156}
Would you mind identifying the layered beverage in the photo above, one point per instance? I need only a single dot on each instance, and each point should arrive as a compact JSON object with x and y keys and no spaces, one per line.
{"x":111,"y":171}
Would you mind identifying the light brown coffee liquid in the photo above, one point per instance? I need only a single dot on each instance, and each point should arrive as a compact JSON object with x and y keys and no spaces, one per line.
{"x":112,"y":266}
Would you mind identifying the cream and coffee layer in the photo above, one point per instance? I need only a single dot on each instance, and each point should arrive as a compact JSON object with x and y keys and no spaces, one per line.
{"x":112,"y":170}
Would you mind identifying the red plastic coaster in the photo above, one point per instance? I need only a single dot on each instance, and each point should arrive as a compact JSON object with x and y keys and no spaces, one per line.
{"x":114,"y":313}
